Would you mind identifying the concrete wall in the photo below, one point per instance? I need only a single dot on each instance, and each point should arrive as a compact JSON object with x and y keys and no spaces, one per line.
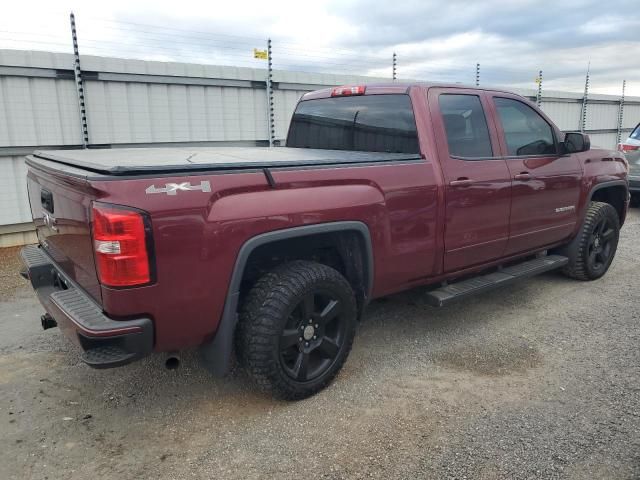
{"x":135,"y":102}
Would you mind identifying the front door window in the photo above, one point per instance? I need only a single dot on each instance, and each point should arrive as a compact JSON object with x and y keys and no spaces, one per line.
{"x":525,"y":132}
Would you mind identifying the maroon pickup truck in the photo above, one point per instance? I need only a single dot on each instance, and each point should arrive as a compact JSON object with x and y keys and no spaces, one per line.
{"x":276,"y":252}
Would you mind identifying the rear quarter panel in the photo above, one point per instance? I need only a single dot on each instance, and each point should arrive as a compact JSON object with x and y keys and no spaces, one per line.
{"x":197,"y":236}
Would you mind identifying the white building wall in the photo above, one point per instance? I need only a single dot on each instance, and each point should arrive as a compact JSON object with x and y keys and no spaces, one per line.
{"x":38,"y":111}
{"x":14,"y":203}
{"x":565,"y":114}
{"x":602,"y":116}
{"x":631,"y":116}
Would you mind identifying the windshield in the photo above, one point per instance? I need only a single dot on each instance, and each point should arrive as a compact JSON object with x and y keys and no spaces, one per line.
{"x":373,"y":123}
{"x":636,"y":133}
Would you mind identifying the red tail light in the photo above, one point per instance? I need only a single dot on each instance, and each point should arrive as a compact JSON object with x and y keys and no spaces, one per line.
{"x":623,"y":147}
{"x":348,"y":91}
{"x":120,"y":246}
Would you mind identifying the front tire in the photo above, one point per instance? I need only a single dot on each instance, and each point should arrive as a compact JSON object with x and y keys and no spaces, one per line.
{"x":592,"y":251}
{"x":296,"y":329}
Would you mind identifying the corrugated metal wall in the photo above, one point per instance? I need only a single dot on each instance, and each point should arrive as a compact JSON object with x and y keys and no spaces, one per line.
{"x":143,"y":102}
{"x":119,"y":112}
{"x":631,"y":116}
{"x":13,"y":207}
{"x":38,"y":111}
{"x":565,"y":114}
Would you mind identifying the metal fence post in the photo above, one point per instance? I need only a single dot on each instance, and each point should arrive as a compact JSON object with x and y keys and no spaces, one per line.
{"x":583,"y":113}
{"x":477,"y":74}
{"x":271,"y":124}
{"x":395,"y":64}
{"x":539,"y":94}
{"x":77,"y":72}
{"x":621,"y":114}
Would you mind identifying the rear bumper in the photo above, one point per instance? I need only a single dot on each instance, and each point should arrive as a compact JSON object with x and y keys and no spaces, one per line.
{"x":105,"y":342}
{"x":634,"y":183}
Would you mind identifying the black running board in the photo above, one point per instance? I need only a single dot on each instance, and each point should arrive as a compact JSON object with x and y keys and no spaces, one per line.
{"x":465,"y":288}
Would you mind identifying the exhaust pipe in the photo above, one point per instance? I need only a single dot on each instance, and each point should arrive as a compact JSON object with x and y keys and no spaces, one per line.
{"x":173,"y":361}
{"x":47,"y":321}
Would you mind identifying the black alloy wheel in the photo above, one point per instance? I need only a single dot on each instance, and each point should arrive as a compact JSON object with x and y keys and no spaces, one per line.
{"x":592,"y":250}
{"x":313,"y":336}
{"x":296,"y":328}
{"x":601,"y":246}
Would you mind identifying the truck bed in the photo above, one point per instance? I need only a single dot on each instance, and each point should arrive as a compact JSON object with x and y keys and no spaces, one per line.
{"x":138,"y":161}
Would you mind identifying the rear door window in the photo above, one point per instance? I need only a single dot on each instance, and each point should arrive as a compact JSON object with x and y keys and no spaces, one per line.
{"x":373,"y":123}
{"x":525,"y":131}
{"x":466,"y":126}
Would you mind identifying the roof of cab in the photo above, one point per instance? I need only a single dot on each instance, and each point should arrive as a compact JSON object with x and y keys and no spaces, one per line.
{"x":398,"y":88}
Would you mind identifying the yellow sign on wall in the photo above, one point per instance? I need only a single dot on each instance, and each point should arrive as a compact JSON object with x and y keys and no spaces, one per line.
{"x":260,"y":54}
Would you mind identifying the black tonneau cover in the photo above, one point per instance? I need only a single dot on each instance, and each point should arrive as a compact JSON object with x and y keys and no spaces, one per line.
{"x":132,"y":161}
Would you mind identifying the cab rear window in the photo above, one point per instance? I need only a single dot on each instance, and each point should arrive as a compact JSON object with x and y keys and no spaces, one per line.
{"x":372,"y":123}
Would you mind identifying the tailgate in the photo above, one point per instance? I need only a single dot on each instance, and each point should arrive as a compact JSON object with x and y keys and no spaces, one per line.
{"x":60,"y":206}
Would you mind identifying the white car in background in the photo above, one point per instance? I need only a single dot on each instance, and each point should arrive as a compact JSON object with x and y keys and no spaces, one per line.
{"x":631,"y":149}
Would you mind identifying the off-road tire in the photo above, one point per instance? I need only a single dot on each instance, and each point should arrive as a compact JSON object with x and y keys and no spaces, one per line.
{"x":581,"y":266}
{"x":268,"y":313}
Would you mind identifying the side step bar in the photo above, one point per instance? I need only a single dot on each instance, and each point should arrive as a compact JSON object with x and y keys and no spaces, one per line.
{"x":465,"y":288}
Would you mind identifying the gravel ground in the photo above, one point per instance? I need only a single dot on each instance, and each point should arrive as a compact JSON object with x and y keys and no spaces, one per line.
{"x":10,"y":283}
{"x":538,"y":380}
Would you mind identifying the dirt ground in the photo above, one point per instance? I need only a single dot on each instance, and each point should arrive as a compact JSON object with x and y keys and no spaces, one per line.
{"x":538,"y":380}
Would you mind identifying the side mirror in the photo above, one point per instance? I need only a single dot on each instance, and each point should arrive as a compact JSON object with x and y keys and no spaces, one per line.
{"x":575,"y":142}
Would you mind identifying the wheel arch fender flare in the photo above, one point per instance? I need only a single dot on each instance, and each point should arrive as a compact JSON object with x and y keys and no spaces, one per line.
{"x":601,"y":186}
{"x":607,"y":184}
{"x":216,"y":354}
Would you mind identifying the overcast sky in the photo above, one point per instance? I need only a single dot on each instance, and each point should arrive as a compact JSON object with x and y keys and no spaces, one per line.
{"x":434,"y":39}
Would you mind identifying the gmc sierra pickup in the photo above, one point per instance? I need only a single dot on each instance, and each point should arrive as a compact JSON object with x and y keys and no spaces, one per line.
{"x":274,"y":253}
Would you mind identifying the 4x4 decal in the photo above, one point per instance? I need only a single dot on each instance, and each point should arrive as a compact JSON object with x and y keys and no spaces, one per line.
{"x":173,"y":188}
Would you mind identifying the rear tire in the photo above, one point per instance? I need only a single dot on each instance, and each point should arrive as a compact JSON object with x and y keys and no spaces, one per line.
{"x":592,"y":251}
{"x":296,"y":329}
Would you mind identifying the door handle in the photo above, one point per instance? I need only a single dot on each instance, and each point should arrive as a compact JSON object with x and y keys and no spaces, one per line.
{"x":461,"y":182}
{"x":524,"y":176}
